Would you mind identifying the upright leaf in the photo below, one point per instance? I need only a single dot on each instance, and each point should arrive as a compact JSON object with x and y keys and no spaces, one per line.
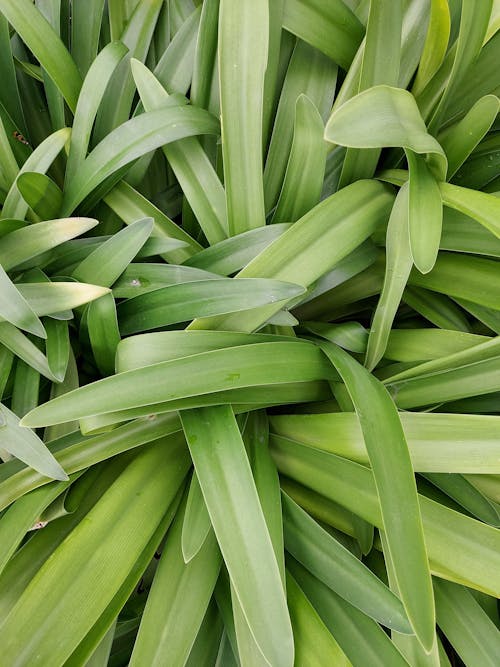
{"x":243,"y":44}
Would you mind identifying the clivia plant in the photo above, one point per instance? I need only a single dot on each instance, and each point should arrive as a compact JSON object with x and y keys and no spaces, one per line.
{"x":249,"y":333}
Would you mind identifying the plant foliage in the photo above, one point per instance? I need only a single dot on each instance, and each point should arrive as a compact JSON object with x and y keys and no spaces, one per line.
{"x":249,"y":333}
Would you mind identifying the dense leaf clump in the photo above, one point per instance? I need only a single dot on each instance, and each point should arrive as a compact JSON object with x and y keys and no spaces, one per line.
{"x":249,"y":333}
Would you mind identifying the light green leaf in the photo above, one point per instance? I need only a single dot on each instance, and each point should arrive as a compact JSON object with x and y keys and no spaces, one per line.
{"x":231,"y":255}
{"x":309,"y":73}
{"x":85,"y":28}
{"x":462,"y":276}
{"x":459,"y":548}
{"x":396,"y":489}
{"x":183,"y":302}
{"x":481,"y":206}
{"x":177,"y":601}
{"x":460,"y":139}
{"x":50,"y":298}
{"x":261,"y":364}
{"x":105,"y":264}
{"x":331,"y":27}
{"x":397,"y":270}
{"x":394,"y":121}
{"x":226,"y":481}
{"x":22,"y":347}
{"x":92,"y":564}
{"x":104,"y":334}
{"x":27,"y":242}
{"x":175,"y":67}
{"x":474,"y":19}
{"x":243,"y":44}
{"x":312,"y":639}
{"x":93,"y":89}
{"x":467,"y":627}
{"x":140,"y":278}
{"x":26,"y":446}
{"x":361,"y":639}
{"x":425,"y":214}
{"x":196,"y":525}
{"x":16,"y":309}
{"x":303,"y":179}
{"x":58,"y":347}
{"x":140,"y":22}
{"x":339,"y":569}
{"x":381,"y":55}
{"x":436,"y":44}
{"x":313,"y":245}
{"x":446,"y":443}
{"x":130,"y":206}
{"x":41,"y":194}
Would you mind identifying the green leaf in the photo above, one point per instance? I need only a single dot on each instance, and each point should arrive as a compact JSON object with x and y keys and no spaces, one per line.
{"x":28,"y":242}
{"x":396,"y":489}
{"x":58,"y":347}
{"x":175,"y":67}
{"x":309,"y":73}
{"x":397,"y":269}
{"x":226,"y":481}
{"x":243,"y":45}
{"x":130,"y":206}
{"x":39,"y":161}
{"x":41,"y":194}
{"x":50,"y":298}
{"x":93,"y":89}
{"x":459,"y":548}
{"x":198,"y":179}
{"x":132,"y":139}
{"x":474,"y":19}
{"x":92,"y":564}
{"x":152,"y":348}
{"x":303,"y":180}
{"x":394,"y":120}
{"x":339,"y":569}
{"x":436,"y":44}
{"x":361,"y":639}
{"x":22,"y":347}
{"x":85,"y":28}
{"x":196,"y":525}
{"x":462,"y":276}
{"x":177,"y":601}
{"x":231,"y":255}
{"x":37,"y":33}
{"x":467,"y":627}
{"x":445,"y":443}
{"x":425,"y":215}
{"x":313,"y":245}
{"x":16,"y":309}
{"x":205,"y":373}
{"x":312,"y":639}
{"x":481,"y":206}
{"x":381,"y":55}
{"x":26,"y":446}
{"x":140,"y":23}
{"x":465,"y":494}
{"x":459,"y":141}
{"x":183,"y":302}
{"x":104,"y":334}
{"x":141,"y":278}
{"x":331,"y":28}
{"x":105,"y":264}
